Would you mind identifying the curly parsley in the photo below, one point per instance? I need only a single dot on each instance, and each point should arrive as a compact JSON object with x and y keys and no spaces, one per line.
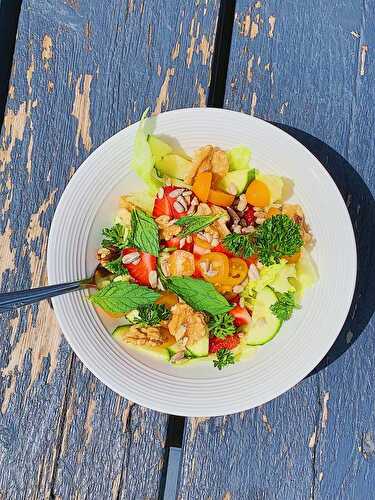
{"x":225,"y":357}
{"x":116,"y":267}
{"x":221,"y":325}
{"x":114,"y":236}
{"x":153,"y":314}
{"x":284,"y":306}
{"x":239,"y":244}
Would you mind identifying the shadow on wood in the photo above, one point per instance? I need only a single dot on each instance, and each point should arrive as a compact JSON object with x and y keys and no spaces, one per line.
{"x":9,"y":13}
{"x":361,"y":207}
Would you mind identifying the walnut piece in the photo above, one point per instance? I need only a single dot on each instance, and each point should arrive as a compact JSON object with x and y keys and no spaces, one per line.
{"x":212,"y":159}
{"x":220,"y":163}
{"x":167,"y":230}
{"x":217,"y":229}
{"x":185,"y":323}
{"x":150,"y":336}
{"x":295,"y":212}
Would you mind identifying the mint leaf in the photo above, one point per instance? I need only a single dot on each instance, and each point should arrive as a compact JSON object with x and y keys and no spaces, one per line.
{"x":195,"y":223}
{"x":120,"y":296}
{"x":144,"y":232}
{"x":199,"y":294}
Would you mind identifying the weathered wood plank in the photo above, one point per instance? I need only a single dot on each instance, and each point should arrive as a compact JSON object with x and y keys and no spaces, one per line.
{"x":82,"y":71}
{"x":318,"y":439}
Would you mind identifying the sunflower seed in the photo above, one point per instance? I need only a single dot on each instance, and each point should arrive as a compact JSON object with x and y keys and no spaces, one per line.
{"x":153,"y":279}
{"x":131,"y":258}
{"x":171,"y":222}
{"x":182,"y":200}
{"x":242,"y":203}
{"x":259,"y":220}
{"x":247,"y":230}
{"x":233,"y":214}
{"x":179,"y":207}
{"x":242,"y":302}
{"x":182,"y":242}
{"x":176,"y":192}
{"x":214,"y":242}
{"x":177,"y":357}
{"x":187,"y":193}
{"x":191,"y":210}
{"x":253,"y":272}
{"x":189,"y":239}
{"x":195,"y":201}
{"x":236,"y":228}
{"x":238,"y":289}
{"x":205,"y":236}
{"x":160,"y":286}
{"x":160,"y":193}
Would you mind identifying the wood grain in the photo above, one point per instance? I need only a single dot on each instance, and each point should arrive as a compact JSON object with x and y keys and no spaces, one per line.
{"x":310,"y":67}
{"x":82,"y":70}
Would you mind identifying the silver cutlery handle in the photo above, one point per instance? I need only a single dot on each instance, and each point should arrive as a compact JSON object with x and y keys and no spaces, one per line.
{"x":13,"y":300}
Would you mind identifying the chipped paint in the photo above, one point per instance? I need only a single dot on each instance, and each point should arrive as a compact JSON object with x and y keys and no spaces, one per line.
{"x":175,"y":51}
{"x":283,"y":107}
{"x":368,"y":444}
{"x":320,"y":476}
{"x":87,"y":427}
{"x":29,"y":74}
{"x":227,"y":496}
{"x":271,"y":22}
{"x":116,"y":487}
{"x":258,"y":5}
{"x":47,"y":52}
{"x":158,"y":69}
{"x":6,"y":254}
{"x":249,"y":72}
{"x":50,"y":86}
{"x":11,"y":91}
{"x":29,"y":154}
{"x":70,"y":76}
{"x":13,"y":130}
{"x":254,"y":28}
{"x":8,"y":392}
{"x":246,"y":25}
{"x":202,"y":99}
{"x":253,"y":104}
{"x":267,"y":67}
{"x":355,"y":34}
{"x":363,"y":55}
{"x":205,"y":49}
{"x":81,"y":111}
{"x":325,"y":410}
{"x":163,"y":98}
{"x":126,"y":415}
{"x":70,"y":412}
{"x":193,"y":38}
{"x":349,"y":337}
{"x":312,"y":440}
{"x":266,"y":423}
{"x":194,"y":424}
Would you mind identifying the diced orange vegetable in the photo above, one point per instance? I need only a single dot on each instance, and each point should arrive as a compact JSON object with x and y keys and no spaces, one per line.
{"x":293,"y":259}
{"x":201,"y":186}
{"x":220,"y":198}
{"x":273,"y":211}
{"x":169,"y":339}
{"x":168,"y":299}
{"x":258,"y":194}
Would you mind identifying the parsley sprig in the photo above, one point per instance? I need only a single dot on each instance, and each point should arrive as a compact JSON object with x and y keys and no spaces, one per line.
{"x":221,"y":325}
{"x":224,"y":357}
{"x":115,"y":267}
{"x":114,"y":236}
{"x":239,"y":244}
{"x":153,"y":314}
{"x":284,"y":306}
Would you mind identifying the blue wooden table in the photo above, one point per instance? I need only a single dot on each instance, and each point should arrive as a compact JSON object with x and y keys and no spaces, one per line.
{"x":84,"y":69}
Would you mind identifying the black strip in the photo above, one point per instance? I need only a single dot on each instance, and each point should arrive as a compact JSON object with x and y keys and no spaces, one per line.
{"x":220,"y":60}
{"x":175,"y":434}
{"x":9,"y":14}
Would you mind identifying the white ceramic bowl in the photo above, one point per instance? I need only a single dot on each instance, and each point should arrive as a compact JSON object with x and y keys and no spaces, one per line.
{"x":90,"y":202}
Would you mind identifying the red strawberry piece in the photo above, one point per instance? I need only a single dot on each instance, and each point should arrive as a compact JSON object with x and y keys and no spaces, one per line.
{"x":241,"y":316}
{"x":228,"y":343}
{"x":197,"y":271}
{"x":140,"y":269}
{"x":167,"y":204}
{"x":248,"y":215}
{"x":176,"y":243}
{"x":221,"y":248}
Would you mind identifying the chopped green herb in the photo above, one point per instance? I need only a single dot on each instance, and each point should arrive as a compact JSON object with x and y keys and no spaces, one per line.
{"x":114,"y":236}
{"x":221,"y":325}
{"x":153,"y":314}
{"x":240,"y":244}
{"x":195,"y":223}
{"x":225,"y":357}
{"x":276,"y":237}
{"x":284,"y":306}
{"x":116,"y":267}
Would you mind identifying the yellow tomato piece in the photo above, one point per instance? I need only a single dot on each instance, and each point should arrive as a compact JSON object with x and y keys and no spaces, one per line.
{"x":214,"y":267}
{"x":237,"y":271}
{"x":201,"y":185}
{"x":220,"y":198}
{"x":258,"y":194}
{"x":181,"y":263}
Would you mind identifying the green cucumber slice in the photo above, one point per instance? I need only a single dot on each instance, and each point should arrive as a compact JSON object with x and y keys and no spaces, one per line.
{"x":265,"y":324}
{"x":197,"y":350}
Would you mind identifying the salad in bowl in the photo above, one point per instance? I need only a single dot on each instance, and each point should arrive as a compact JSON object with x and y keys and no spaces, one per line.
{"x":208,"y":261}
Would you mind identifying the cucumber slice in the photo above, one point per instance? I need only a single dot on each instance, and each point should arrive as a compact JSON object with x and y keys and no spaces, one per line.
{"x":197,"y":350}
{"x":120,"y":333}
{"x":237,"y":178}
{"x":175,"y":166}
{"x":265,"y":324}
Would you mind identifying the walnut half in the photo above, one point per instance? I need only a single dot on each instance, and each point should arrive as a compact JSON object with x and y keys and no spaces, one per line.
{"x":150,"y":335}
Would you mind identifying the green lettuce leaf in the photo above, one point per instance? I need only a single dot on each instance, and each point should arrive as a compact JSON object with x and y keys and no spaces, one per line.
{"x":239,"y":158}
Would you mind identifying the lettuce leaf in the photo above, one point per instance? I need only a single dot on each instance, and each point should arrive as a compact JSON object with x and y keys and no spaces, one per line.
{"x":142,"y":161}
{"x":276,"y":276}
{"x":307,"y":274}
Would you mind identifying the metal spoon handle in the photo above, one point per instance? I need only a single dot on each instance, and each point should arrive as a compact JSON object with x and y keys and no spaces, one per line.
{"x":12,"y":300}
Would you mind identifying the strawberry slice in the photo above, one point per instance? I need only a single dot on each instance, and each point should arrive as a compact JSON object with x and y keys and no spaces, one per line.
{"x":166,"y":205}
{"x":197,"y":272}
{"x":249,"y":215}
{"x":228,"y":343}
{"x":176,"y":243}
{"x":241,"y":316}
{"x":141,"y":268}
{"x":221,"y":248}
